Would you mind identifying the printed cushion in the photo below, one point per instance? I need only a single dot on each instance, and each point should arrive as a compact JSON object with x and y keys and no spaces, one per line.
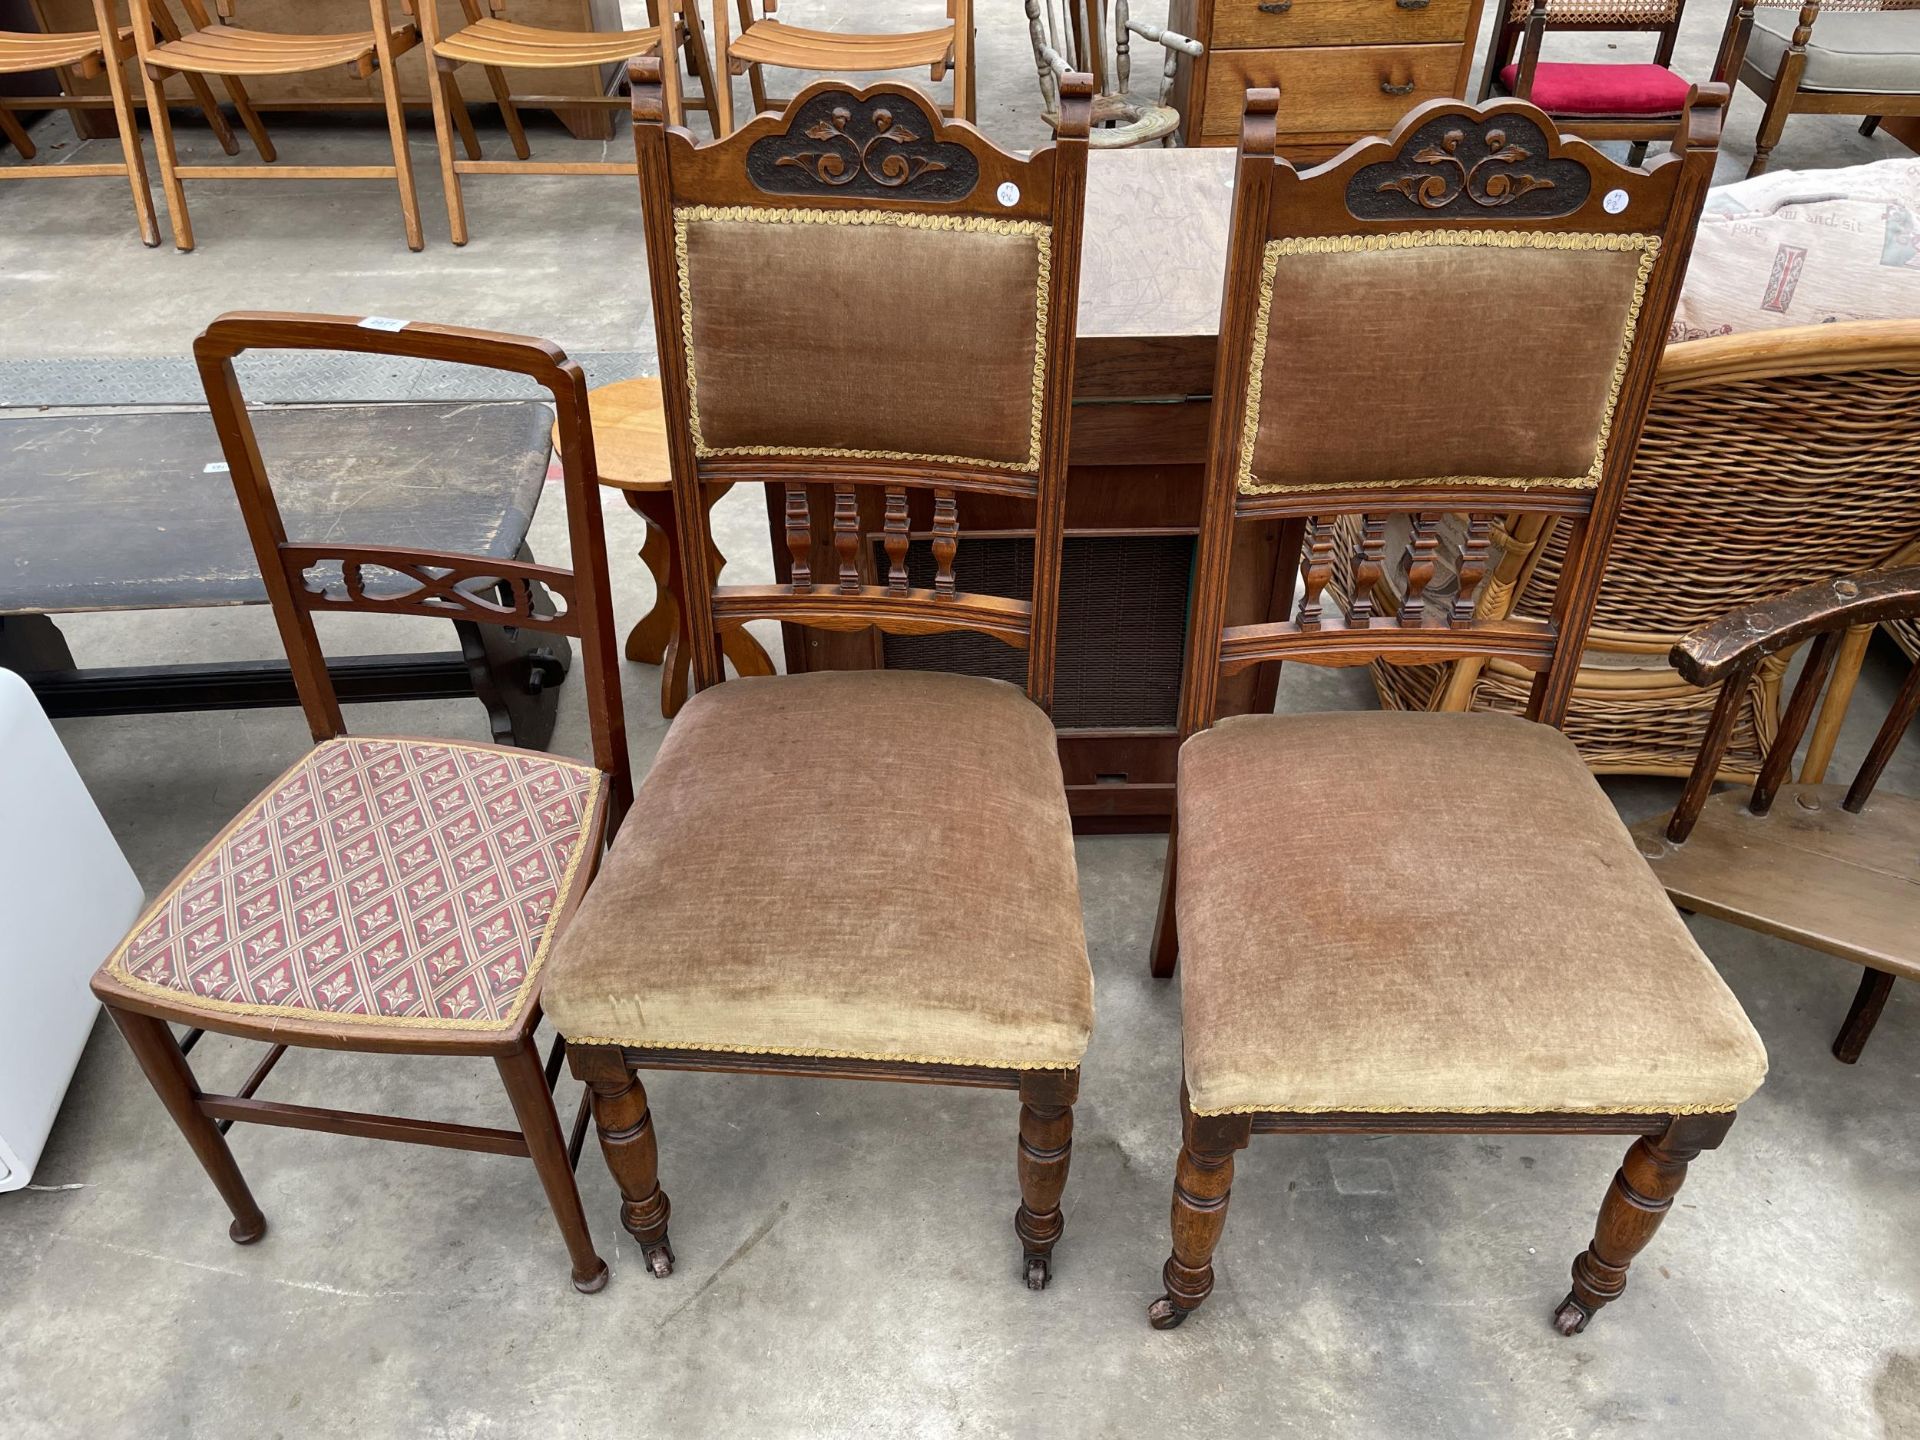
{"x":397,"y":882}
{"x":1805,"y":248}
{"x":1561,"y":89}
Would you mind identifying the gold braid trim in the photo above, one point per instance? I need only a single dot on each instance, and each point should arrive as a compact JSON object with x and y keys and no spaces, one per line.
{"x":115,"y":965}
{"x":975,"y":224}
{"x":1468,"y":1110}
{"x":811,"y":1053}
{"x":1647,"y":245}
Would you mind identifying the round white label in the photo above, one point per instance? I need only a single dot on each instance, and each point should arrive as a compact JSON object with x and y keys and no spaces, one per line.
{"x":1615,"y":202}
{"x":1008,"y":193}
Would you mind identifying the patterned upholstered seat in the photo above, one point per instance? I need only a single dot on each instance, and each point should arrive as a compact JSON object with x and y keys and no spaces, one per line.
{"x":401,"y":882}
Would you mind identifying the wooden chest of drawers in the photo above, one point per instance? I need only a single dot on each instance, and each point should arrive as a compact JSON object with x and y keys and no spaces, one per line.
{"x":1345,"y":68}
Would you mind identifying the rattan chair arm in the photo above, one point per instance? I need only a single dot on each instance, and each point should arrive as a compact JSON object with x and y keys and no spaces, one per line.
{"x":1711,"y":653}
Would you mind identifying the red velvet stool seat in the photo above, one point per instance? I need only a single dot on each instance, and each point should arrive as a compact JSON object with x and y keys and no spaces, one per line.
{"x":1625,"y":90}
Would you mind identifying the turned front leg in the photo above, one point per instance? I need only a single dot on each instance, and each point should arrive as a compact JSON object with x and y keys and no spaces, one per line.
{"x":1202,"y":1182}
{"x":1638,"y":1200}
{"x":625,"y":1126}
{"x":1046,"y":1148}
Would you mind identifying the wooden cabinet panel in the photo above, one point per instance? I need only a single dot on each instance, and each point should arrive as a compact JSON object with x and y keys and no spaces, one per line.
{"x":1271,"y":24}
{"x":1357,"y":88}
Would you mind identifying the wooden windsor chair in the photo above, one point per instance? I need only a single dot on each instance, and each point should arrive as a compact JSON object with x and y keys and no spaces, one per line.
{"x":233,"y":52}
{"x":1338,"y":974}
{"x":1120,"y":118}
{"x":1831,"y":867}
{"x":763,"y":919}
{"x":387,"y":895}
{"x":497,"y":43}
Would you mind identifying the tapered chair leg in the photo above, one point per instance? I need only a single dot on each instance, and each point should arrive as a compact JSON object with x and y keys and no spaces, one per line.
{"x":166,"y":1070}
{"x":626,"y":1139}
{"x":397,"y":130}
{"x":1166,"y":930}
{"x":1638,"y":1200}
{"x":526,"y":1084}
{"x":509,"y":113}
{"x":1868,"y":1001}
{"x":169,"y":158}
{"x":1201,"y":1185}
{"x":135,"y":157}
{"x":17,"y":136}
{"x":1046,"y":1149}
{"x":441,"y":94}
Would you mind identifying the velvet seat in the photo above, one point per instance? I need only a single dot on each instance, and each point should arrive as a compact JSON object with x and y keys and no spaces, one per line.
{"x":867,"y":864}
{"x":1365,"y":975}
{"x":391,"y":882}
{"x":1590,"y":90}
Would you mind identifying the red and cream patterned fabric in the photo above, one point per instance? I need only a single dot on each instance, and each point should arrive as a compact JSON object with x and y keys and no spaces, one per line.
{"x":398,"y":882}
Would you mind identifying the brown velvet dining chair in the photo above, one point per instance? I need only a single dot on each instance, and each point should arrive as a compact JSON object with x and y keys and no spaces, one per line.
{"x":1493,"y":297}
{"x":387,"y":895}
{"x":852,"y":874}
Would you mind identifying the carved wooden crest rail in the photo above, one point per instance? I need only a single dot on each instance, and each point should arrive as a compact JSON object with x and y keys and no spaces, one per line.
{"x":874,"y":148}
{"x":1471,"y":166}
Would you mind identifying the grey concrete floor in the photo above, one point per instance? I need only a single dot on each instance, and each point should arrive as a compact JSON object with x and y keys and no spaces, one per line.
{"x":846,"y":1259}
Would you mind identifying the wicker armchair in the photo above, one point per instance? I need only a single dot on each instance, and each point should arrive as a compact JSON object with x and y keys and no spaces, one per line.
{"x":1769,"y":460}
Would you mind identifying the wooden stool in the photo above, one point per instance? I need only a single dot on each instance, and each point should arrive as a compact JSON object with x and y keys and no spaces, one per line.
{"x":630,"y":441}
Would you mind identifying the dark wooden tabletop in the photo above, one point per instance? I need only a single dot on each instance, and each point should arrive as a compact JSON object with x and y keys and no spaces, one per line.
{"x":121,"y":511}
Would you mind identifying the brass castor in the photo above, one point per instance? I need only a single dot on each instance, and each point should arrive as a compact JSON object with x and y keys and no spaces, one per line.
{"x":1572,"y":1317}
{"x":1163,"y":1314}
{"x":241,"y":1235}
{"x":594,"y":1283}
{"x":1039,"y":1271}
{"x":659,"y":1259}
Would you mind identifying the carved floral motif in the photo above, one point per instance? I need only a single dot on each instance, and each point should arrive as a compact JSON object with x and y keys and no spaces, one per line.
{"x":841,"y":144}
{"x":1452,"y":162}
{"x":1451,"y":177}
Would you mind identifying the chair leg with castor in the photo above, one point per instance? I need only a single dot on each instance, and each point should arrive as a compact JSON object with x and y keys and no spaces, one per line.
{"x":1046,"y":1150}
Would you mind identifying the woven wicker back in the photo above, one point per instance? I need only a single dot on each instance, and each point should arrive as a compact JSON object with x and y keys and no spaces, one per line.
{"x":1768,"y":462}
{"x":1600,"y":12}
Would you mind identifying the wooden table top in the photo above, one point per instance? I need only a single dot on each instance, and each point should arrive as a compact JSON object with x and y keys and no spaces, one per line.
{"x":120,"y":512}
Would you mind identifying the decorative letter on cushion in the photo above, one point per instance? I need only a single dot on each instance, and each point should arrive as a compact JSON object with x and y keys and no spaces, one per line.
{"x":1561,"y":89}
{"x":1805,"y":248}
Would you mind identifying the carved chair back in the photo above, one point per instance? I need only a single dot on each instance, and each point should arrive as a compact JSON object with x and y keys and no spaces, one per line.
{"x":304,"y":578}
{"x":1729,"y":651}
{"x":858,"y":300}
{"x":1462,"y":318}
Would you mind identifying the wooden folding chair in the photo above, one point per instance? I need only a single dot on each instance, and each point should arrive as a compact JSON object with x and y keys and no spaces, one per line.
{"x":818,"y":849}
{"x":84,"y":54}
{"x":1492,"y":298}
{"x":493,"y":41}
{"x":388,"y":895}
{"x":767,"y":41}
{"x":231,"y":52}
{"x":1832,"y":867}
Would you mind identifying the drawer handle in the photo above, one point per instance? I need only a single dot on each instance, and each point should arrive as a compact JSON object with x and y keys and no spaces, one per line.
{"x":1387,"y":87}
{"x":1275,"y":7}
{"x":1413,"y":4}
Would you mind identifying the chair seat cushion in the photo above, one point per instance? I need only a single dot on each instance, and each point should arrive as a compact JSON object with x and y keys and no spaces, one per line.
{"x":1338,"y":952}
{"x":1564,"y":89}
{"x":1875,"y":51}
{"x":866,"y":864}
{"x":406,"y":883}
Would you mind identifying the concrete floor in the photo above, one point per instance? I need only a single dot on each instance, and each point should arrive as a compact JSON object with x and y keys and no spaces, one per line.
{"x":846,"y":1259}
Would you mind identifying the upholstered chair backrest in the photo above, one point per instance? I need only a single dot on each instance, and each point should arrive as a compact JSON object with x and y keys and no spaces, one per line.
{"x":856,"y":294}
{"x":1462,"y":318}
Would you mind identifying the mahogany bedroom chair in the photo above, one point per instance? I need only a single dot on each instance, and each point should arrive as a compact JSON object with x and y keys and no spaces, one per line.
{"x":1338,"y":972}
{"x":852,"y":874}
{"x":387,"y":895}
{"x":1831,"y":867}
